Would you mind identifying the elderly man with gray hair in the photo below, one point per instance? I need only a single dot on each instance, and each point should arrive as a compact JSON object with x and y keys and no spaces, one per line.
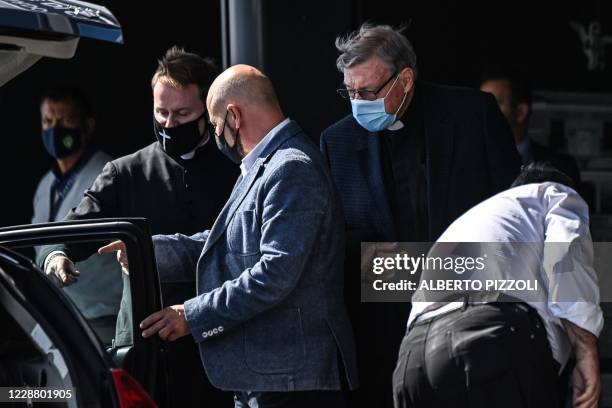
{"x":410,"y":159}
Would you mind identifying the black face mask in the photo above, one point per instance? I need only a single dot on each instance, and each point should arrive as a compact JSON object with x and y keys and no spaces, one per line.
{"x":61,"y":141}
{"x":231,"y":152}
{"x":179,"y":140}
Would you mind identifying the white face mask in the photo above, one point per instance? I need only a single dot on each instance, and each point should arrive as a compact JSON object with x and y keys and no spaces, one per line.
{"x":372,"y":114}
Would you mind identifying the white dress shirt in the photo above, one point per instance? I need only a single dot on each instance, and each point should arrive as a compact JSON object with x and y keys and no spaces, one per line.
{"x":250,"y":158}
{"x":536,"y":214}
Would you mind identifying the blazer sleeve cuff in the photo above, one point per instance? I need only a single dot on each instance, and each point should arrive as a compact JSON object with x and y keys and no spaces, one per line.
{"x":203,"y":326}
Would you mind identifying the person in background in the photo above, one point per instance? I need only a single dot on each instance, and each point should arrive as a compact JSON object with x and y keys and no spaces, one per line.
{"x":513,"y":94}
{"x":68,"y":126}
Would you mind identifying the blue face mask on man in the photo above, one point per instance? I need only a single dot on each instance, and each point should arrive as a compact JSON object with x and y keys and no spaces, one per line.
{"x":372,"y":114}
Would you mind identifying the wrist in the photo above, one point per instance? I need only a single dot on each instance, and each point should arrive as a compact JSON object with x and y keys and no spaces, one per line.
{"x":52,"y":256}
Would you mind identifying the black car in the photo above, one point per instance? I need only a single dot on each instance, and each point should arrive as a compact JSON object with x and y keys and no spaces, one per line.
{"x":47,"y":342}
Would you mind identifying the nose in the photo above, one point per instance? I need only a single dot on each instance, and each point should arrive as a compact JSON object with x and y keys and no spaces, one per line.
{"x":51,"y":123}
{"x":171,"y":121}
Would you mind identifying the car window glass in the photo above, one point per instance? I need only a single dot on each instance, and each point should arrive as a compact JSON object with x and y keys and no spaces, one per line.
{"x":101,"y":294}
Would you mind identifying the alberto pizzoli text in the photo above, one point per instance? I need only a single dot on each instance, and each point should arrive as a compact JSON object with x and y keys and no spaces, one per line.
{"x":458,"y":285}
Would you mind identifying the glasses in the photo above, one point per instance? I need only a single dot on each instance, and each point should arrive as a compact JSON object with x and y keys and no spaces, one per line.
{"x":366,"y":94}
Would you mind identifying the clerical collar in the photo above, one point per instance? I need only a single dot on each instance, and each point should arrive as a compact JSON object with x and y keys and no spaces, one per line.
{"x":399,"y":123}
{"x":191,"y":154}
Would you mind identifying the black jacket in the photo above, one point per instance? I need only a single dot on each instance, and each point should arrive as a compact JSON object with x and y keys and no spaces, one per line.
{"x":174,"y":195}
{"x":470,"y":155}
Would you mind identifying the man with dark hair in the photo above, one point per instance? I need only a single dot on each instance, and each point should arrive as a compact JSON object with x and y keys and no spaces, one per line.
{"x":410,"y":159}
{"x":68,"y":126}
{"x":506,"y":347}
{"x":179,"y":183}
{"x":538,"y":172}
{"x":513,"y":94}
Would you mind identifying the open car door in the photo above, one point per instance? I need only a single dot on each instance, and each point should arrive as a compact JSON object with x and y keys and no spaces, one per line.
{"x":108,"y":302}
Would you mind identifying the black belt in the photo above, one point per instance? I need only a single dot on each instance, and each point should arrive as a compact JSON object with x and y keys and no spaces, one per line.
{"x":476,"y":298}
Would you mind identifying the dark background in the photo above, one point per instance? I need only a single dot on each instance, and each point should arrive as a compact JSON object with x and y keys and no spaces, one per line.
{"x":454,"y":41}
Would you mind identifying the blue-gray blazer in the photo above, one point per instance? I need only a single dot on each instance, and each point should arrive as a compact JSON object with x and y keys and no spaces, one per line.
{"x":270,"y":314}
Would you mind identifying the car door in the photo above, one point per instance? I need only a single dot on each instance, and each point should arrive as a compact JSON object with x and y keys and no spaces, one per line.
{"x":48,"y":354}
{"x":140,"y":294}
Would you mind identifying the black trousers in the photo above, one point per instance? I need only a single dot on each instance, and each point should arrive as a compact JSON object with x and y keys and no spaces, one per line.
{"x":486,"y":355}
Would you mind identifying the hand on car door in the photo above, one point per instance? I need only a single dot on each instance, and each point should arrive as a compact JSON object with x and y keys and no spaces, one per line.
{"x":122,"y":257}
{"x":61,"y":270}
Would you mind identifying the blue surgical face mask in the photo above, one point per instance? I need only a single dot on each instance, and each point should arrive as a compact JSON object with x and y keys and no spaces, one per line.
{"x":372,"y":114}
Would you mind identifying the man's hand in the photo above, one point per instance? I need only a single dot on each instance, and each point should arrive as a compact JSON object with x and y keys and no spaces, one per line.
{"x":122,"y":257}
{"x":586,"y":380}
{"x":61,"y":271}
{"x":170,"y":323}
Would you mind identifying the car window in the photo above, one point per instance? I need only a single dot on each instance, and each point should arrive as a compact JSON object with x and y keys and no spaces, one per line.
{"x":101,"y":293}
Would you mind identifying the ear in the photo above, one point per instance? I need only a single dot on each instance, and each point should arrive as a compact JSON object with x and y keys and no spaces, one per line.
{"x":234,"y":115}
{"x":522,"y":112}
{"x":407,"y":79}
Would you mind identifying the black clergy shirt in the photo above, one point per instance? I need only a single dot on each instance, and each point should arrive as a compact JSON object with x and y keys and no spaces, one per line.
{"x":175,"y":195}
{"x":404,"y":167}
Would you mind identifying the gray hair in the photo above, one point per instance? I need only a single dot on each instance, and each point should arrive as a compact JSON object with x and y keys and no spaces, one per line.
{"x":383,"y":41}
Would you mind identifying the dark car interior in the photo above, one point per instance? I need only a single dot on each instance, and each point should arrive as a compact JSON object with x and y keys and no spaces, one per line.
{"x":91,"y":326}
{"x":22,"y":362}
{"x":35,"y":352}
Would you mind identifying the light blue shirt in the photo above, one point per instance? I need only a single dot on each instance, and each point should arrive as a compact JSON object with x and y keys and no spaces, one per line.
{"x":250,"y":158}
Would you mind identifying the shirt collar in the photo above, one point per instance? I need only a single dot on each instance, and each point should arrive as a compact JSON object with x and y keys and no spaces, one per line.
{"x":191,"y":154}
{"x":397,"y":125}
{"x":250,"y":158}
{"x":410,"y":112}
